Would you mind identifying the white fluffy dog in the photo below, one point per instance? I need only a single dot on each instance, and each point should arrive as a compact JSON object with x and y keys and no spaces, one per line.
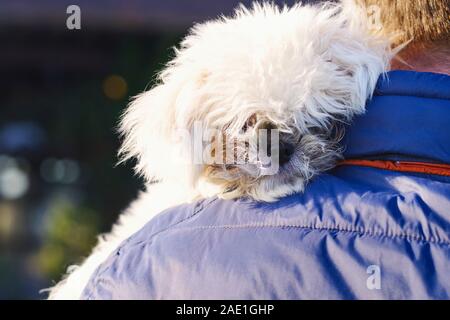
{"x":299,"y":70}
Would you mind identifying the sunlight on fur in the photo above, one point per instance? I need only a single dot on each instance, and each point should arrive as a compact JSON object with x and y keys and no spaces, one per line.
{"x":303,"y":70}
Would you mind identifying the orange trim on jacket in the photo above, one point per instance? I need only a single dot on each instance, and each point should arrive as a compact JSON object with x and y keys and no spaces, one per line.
{"x":402,"y":166}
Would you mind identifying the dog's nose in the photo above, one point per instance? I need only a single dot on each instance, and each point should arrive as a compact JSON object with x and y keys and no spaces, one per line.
{"x":286,"y":150}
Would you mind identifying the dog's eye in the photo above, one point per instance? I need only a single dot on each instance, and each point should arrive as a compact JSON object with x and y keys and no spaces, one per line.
{"x":250,"y":123}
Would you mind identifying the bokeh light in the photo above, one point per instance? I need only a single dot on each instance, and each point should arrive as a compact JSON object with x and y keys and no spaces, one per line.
{"x":60,"y":170}
{"x":115,"y":87}
{"x":14,"y":181}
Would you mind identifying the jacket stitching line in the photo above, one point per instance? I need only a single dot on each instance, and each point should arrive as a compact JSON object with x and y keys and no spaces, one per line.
{"x":360,"y":232}
{"x":173,"y":226}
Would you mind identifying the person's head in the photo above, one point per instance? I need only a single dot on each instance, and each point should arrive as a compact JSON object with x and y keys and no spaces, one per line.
{"x":426,"y":24}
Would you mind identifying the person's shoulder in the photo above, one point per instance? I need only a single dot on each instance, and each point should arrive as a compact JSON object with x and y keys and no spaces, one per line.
{"x":162,"y":223}
{"x":168,"y":219}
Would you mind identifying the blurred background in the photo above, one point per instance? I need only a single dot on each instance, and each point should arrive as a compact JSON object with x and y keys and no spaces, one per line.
{"x":62,"y":92}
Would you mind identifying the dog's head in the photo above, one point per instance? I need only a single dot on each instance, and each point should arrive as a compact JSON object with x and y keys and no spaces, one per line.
{"x":268,"y":79}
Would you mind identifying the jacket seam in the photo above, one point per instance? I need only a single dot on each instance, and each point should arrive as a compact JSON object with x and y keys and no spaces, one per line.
{"x":358,"y":231}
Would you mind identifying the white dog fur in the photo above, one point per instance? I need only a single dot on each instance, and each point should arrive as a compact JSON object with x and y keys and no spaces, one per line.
{"x":302,"y":69}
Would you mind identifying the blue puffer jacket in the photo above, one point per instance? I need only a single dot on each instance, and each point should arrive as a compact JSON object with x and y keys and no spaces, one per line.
{"x":367,"y":229}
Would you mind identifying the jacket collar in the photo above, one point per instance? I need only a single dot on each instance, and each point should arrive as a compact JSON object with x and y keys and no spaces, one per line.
{"x":408,"y":118}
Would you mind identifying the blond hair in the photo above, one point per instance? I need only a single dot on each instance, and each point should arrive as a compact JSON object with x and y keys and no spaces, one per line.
{"x":417,"y":20}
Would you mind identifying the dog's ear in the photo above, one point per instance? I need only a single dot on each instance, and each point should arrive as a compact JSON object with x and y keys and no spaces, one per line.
{"x":156,"y":128}
{"x":352,"y":57}
{"x":144,"y":127}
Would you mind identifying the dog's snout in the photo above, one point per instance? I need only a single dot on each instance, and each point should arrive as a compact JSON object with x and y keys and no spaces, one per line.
{"x":286,"y":150}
